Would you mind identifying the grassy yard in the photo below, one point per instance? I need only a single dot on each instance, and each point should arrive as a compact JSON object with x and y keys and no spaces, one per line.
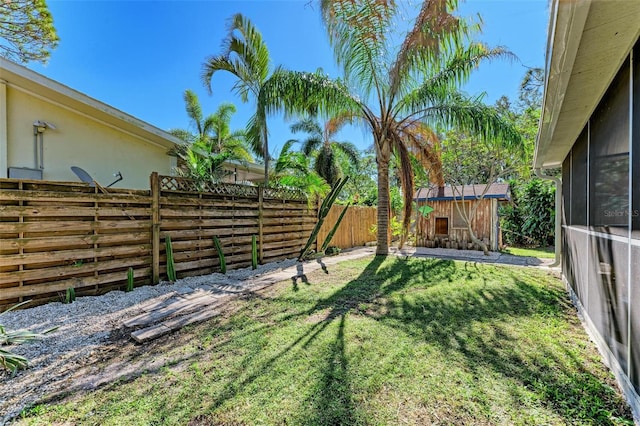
{"x":375,"y":341}
{"x":540,"y":252}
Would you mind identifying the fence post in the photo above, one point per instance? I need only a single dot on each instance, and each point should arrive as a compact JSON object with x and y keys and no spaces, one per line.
{"x":260,"y":223}
{"x":155,"y":227}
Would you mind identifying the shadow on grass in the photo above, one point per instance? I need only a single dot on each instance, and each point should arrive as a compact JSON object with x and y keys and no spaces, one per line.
{"x":393,"y":293}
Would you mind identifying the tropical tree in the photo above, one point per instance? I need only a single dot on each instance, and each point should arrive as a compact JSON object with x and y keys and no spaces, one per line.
{"x":245,"y":55}
{"x":397,"y":86}
{"x":321,"y":145}
{"x":471,"y":166}
{"x":26,"y":31}
{"x":293,"y":170}
{"x":204,"y":152}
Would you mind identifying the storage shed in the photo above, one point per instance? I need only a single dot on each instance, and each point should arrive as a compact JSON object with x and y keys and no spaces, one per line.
{"x":444,"y":226}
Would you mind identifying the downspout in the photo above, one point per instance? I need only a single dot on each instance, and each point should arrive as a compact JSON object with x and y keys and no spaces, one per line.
{"x":558,"y":227}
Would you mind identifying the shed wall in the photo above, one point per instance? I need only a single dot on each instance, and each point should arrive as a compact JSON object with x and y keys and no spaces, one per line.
{"x":483,"y":224}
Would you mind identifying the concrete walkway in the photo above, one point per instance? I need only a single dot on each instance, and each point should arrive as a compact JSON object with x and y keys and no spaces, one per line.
{"x":474,"y":256}
{"x":190,"y":305}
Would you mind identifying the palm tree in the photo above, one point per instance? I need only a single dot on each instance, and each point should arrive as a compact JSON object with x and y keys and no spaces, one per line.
{"x":396,"y":90}
{"x":293,"y":170}
{"x":246,"y":56}
{"x":204,"y":153}
{"x":321,"y":144}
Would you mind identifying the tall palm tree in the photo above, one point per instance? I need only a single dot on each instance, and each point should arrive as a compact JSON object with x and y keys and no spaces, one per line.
{"x":320,"y":144}
{"x":396,"y":90}
{"x":245,"y":55}
{"x":205,"y":151}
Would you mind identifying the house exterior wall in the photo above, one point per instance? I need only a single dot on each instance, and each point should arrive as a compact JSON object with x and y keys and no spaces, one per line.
{"x":484,"y":224}
{"x":79,"y":140}
{"x":601,"y":224}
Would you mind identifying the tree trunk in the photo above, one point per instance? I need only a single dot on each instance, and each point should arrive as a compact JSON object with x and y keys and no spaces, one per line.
{"x":384,"y":205}
{"x":265,"y":148}
{"x":476,"y":240}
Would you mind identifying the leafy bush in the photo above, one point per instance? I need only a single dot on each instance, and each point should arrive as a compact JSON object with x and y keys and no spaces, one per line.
{"x":529,"y":218}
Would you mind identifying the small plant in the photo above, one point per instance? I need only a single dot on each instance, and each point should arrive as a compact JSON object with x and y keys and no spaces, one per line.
{"x":9,"y":360}
{"x":129,"y":280}
{"x":171,"y":267}
{"x":223,"y":263}
{"x":254,"y":252}
{"x":332,"y":250}
{"x":70,"y":295}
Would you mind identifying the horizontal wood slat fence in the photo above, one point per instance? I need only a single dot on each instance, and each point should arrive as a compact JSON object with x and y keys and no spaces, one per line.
{"x":57,"y":235}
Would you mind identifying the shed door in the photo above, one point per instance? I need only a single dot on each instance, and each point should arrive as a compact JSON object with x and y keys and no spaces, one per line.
{"x":442,"y":226}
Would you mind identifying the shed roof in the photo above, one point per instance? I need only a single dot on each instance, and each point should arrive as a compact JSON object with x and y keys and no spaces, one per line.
{"x":470,"y":192}
{"x":26,"y":80}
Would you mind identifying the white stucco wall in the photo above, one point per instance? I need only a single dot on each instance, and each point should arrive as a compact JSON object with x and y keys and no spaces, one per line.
{"x":79,"y":140}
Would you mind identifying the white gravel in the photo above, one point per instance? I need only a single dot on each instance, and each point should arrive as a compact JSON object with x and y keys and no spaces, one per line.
{"x":83,"y":327}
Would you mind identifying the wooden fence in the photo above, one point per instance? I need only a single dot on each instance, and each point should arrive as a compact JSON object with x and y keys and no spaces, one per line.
{"x":58,"y":235}
{"x":355,"y":228}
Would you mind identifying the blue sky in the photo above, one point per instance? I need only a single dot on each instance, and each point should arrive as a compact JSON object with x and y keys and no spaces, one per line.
{"x":140,"y":56}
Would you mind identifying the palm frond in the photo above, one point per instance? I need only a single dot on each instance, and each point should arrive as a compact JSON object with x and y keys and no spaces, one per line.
{"x":213,"y":64}
{"x":473,"y":116}
{"x":194,"y":110}
{"x":308,"y":125}
{"x":434,"y":26}
{"x":311,"y":144}
{"x":357,"y":31}
{"x":304,"y":92}
{"x":348,"y":149}
{"x":449,"y":75}
{"x":336,"y":123}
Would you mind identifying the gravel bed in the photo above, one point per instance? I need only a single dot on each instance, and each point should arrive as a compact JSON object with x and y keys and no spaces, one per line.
{"x":84,"y":326}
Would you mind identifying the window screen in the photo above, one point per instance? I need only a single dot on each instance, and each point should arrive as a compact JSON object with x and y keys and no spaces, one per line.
{"x":566,"y":190}
{"x":609,"y":156}
{"x":579,"y":180}
{"x":458,"y":219}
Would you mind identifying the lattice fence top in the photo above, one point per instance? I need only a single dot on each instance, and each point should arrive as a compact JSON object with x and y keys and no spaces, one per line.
{"x":284,"y":194}
{"x":175,"y":183}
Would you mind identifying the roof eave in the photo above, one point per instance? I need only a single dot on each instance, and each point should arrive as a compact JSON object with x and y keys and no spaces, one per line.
{"x":588,"y":41}
{"x":30,"y":81}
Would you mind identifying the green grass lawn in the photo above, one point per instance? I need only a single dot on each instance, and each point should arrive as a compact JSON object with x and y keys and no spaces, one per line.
{"x":540,"y":252}
{"x":372,"y":342}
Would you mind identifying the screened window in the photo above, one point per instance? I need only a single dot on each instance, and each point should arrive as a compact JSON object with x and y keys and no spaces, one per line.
{"x":566,"y":190}
{"x":458,"y":218}
{"x":609,"y":156}
{"x":578,"y":191}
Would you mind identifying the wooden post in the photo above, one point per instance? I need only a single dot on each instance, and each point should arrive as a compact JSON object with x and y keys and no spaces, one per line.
{"x":155,"y":227}
{"x":260,"y":220}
